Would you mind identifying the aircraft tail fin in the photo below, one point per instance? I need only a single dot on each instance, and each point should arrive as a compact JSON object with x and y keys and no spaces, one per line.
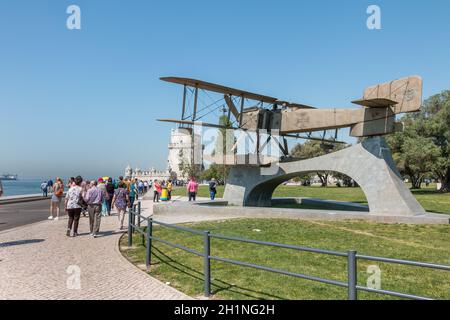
{"x":404,"y":95}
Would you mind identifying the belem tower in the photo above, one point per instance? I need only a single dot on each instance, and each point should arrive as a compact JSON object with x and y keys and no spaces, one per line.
{"x":180,"y":150}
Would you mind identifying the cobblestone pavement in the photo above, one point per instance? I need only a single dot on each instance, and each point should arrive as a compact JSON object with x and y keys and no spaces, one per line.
{"x":39,"y":261}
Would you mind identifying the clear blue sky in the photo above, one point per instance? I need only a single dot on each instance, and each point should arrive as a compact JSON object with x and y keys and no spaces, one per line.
{"x":85,"y":101}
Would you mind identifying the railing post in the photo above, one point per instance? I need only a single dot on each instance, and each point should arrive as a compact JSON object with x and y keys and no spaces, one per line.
{"x":134,"y":216}
{"x":352,"y":279}
{"x":207,"y":263}
{"x":148,"y":251}
{"x":130,"y":228}
{"x":139,"y":216}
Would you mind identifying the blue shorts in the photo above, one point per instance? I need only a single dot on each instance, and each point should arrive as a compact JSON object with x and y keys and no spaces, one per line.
{"x":56,"y":199}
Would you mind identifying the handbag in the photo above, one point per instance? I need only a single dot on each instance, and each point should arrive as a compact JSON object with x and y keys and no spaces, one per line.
{"x":59,"y":190}
{"x":81,"y":201}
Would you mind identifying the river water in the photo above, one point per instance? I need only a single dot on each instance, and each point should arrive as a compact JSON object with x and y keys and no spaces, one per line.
{"x":21,"y":187}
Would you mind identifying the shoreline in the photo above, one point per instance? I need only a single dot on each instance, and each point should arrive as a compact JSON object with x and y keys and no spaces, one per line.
{"x":23,"y":198}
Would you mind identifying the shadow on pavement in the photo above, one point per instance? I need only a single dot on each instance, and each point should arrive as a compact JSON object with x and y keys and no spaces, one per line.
{"x":20,"y":242}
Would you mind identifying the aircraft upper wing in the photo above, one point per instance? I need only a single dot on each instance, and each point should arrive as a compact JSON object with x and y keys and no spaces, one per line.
{"x":219,"y":89}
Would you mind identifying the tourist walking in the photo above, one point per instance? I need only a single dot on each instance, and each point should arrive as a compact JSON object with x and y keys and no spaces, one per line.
{"x":94,"y":198}
{"x":102,"y":187}
{"x":121,"y":201}
{"x":55,"y":202}
{"x":141,"y":187}
{"x":192,"y":188}
{"x":84,"y":188}
{"x":70,"y":182}
{"x":50,"y":186}
{"x":110,"y":192}
{"x":145,"y":186}
{"x":73,"y":207}
{"x":213,"y":188}
{"x":1,"y":188}
{"x":44,"y":189}
{"x":156,"y":191}
{"x":118,"y":182}
{"x":132,"y":192}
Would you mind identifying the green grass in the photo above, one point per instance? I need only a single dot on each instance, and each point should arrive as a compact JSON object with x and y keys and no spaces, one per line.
{"x":429,"y":198}
{"x":184,"y":271}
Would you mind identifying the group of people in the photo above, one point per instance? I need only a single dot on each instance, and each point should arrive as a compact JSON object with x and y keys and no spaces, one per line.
{"x":191,"y":189}
{"x":97,"y":198}
{"x":94,"y":198}
{"x":162,"y":190}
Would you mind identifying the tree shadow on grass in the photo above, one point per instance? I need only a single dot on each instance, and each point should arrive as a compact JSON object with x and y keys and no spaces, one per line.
{"x":20,"y":242}
{"x":426,"y":192}
{"x":219,"y":285}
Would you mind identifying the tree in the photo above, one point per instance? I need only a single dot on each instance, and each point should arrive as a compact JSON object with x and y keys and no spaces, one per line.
{"x":312,"y":149}
{"x":224,"y":144}
{"x":414,"y":154}
{"x":435,"y":119}
{"x":215,"y":171}
{"x":187,"y":168}
{"x":346,"y":180}
{"x":424,"y":146}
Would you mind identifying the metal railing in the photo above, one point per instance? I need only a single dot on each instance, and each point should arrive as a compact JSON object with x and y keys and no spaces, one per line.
{"x":352,"y":256}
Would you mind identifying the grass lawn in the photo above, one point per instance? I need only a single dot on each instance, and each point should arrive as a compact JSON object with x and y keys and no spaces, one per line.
{"x":429,"y":198}
{"x":184,"y":271}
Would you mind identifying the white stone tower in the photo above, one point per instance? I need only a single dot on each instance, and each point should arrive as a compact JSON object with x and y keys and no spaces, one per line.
{"x":180,"y":150}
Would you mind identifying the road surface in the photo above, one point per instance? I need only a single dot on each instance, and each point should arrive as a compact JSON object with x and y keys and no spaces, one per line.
{"x":18,"y":214}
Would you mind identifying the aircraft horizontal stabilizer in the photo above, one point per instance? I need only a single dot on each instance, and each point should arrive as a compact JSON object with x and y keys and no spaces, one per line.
{"x":376,"y":103}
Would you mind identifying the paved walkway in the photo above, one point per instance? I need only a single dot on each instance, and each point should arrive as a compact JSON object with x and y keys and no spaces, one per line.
{"x":36,"y":260}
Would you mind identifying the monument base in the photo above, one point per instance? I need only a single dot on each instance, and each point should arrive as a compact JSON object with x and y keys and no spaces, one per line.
{"x":219,"y":210}
{"x":369,"y":163}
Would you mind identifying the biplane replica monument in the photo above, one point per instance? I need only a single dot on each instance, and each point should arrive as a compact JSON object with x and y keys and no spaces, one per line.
{"x":253,"y":176}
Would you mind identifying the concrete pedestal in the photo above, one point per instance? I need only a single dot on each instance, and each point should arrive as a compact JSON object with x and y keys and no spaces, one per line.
{"x":369,"y":163}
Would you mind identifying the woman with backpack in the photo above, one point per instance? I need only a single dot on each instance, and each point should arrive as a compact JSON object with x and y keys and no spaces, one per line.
{"x":58,"y":192}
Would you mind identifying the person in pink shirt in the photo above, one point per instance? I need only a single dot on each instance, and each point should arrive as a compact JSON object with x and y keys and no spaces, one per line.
{"x":156,"y":191}
{"x":192,"y":188}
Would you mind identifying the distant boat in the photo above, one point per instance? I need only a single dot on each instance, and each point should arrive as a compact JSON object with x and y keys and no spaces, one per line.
{"x":8,"y":177}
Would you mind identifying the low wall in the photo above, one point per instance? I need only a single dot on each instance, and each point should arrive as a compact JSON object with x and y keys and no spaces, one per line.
{"x":186,"y":208}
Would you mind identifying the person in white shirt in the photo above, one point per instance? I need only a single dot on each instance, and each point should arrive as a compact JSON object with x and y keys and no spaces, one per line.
{"x":73,"y":206}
